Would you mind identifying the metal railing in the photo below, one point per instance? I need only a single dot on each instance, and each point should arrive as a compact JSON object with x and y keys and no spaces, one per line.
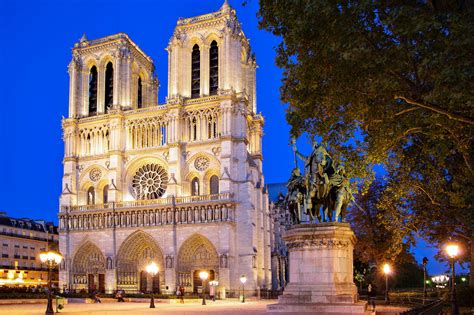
{"x":432,"y":308}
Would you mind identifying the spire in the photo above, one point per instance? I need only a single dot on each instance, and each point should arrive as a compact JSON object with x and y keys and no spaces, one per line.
{"x":225,"y":6}
{"x":83,"y":38}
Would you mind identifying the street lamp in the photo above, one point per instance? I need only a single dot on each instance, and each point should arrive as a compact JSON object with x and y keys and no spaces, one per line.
{"x":425,"y":262}
{"x":453,"y":251}
{"x":51,"y":259}
{"x":203,"y":275}
{"x":386,"y":271}
{"x":152,"y":270}
{"x":243,"y":279}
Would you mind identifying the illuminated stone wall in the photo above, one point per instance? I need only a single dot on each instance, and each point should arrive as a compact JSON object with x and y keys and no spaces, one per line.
{"x":185,"y":173}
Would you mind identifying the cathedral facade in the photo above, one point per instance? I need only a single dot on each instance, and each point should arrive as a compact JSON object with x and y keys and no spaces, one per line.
{"x":179,"y":184}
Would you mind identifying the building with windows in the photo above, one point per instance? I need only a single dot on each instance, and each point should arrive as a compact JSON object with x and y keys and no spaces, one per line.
{"x":181,"y":183}
{"x":22,"y":240}
{"x":280,"y":220}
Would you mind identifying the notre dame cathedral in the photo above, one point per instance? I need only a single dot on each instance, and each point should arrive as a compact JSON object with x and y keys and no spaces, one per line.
{"x":180,"y":183}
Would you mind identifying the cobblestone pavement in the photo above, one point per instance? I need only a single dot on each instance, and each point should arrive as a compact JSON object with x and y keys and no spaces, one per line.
{"x":219,"y":307}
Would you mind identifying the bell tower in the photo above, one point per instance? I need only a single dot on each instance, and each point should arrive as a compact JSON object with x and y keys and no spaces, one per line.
{"x":210,"y":54}
{"x":110,"y":72}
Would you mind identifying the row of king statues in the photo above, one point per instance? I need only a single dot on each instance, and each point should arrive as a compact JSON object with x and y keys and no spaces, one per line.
{"x":323,"y":189}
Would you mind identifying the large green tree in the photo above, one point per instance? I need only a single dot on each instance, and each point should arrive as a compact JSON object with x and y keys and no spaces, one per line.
{"x":398,"y":77}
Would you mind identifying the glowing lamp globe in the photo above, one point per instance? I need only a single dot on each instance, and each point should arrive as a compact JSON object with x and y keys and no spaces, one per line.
{"x":51,"y":257}
{"x":203,"y":275}
{"x":386,"y":269}
{"x":152,"y":268}
{"x":452,"y":250}
{"x":243,"y":279}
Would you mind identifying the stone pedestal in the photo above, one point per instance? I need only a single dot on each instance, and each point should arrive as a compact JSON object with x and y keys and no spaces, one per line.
{"x":321,"y":271}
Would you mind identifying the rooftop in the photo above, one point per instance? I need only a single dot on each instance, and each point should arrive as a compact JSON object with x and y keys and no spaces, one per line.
{"x":27,"y":224}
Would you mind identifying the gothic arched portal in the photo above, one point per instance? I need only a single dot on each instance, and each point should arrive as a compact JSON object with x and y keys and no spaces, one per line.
{"x":197,"y":253}
{"x":136,"y":252}
{"x":88,"y":268}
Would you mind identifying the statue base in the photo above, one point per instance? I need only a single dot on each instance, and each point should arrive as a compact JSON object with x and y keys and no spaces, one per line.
{"x":321,"y":271}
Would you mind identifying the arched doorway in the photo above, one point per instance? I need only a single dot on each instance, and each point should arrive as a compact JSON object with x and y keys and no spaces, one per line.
{"x":195,"y":255}
{"x":88,"y":268}
{"x":135,"y":253}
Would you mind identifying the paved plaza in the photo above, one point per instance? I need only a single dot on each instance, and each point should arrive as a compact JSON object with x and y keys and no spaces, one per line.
{"x":218,"y":307}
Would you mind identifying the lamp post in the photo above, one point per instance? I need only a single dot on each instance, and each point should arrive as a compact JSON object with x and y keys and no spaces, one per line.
{"x":203,"y":275}
{"x":51,"y":259}
{"x":243,"y":279}
{"x":152,"y":270}
{"x":425,"y":293}
{"x":453,"y":251}
{"x":386,"y":271}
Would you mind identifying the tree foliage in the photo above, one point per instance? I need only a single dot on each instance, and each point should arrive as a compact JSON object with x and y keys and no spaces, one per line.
{"x":383,"y":232}
{"x":399,"y":79}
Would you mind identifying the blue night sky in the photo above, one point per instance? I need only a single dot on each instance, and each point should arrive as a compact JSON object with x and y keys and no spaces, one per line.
{"x":37,"y":37}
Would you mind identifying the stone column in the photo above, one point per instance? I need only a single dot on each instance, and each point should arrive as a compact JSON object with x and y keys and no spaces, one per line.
{"x":110,"y":281}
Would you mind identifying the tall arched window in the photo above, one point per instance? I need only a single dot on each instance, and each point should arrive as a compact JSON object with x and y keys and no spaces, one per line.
{"x":105,"y":194}
{"x":195,"y":187}
{"x":195,"y":72}
{"x":109,"y":86}
{"x":93,"y":91}
{"x":139,"y":93}
{"x":90,"y":196}
{"x":213,"y":68}
{"x":214,"y":185}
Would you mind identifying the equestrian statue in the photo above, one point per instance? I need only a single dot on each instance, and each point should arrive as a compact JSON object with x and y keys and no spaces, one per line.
{"x":324,"y":188}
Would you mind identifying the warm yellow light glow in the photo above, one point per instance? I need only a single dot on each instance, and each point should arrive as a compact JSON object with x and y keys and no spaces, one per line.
{"x":203,"y":275}
{"x":51,"y":257}
{"x":386,"y":269}
{"x":243,"y":279}
{"x":452,"y":250}
{"x":152,"y":269}
{"x":11,"y":281}
{"x":10,"y":275}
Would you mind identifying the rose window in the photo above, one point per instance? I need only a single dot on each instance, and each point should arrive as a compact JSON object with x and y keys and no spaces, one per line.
{"x":95,"y":174}
{"x":149,"y":182}
{"x":201,"y":163}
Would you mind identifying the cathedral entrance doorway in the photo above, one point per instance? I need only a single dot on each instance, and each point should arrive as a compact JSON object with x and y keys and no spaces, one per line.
{"x":195,"y":255}
{"x":149,"y":283}
{"x":88,"y":268}
{"x":135,"y":253}
{"x":101,"y":282}
{"x":90,"y":283}
{"x":197,"y":282}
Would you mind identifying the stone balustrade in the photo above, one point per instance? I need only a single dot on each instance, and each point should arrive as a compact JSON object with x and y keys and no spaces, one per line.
{"x":141,"y":213}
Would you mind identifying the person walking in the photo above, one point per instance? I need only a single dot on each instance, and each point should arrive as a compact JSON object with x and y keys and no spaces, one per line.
{"x":181,"y":290}
{"x":212,"y":293}
{"x":372,"y":295}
